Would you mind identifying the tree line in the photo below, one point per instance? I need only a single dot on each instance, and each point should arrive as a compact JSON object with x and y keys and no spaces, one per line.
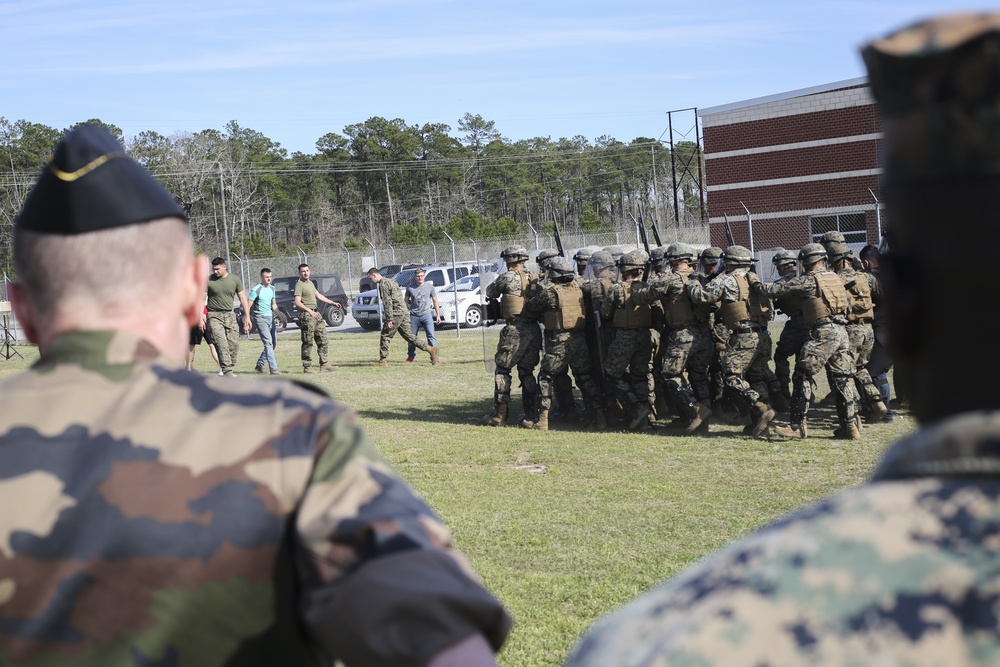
{"x":383,"y":181}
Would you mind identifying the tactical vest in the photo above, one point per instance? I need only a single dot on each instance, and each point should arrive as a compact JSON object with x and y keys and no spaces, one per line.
{"x":862,"y":306}
{"x":568,"y":314}
{"x":752,"y":307}
{"x":630,"y":315}
{"x":831,"y":302}
{"x":679,"y":312}
{"x":512,"y":305}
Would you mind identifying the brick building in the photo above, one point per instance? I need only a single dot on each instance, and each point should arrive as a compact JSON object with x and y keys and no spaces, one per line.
{"x":802,"y":162}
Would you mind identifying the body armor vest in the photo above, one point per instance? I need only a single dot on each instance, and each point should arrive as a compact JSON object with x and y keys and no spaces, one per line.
{"x":568,"y":315}
{"x":751,"y":307}
{"x":862,"y":306}
{"x":512,"y":305}
{"x":832,"y":300}
{"x":630,"y":315}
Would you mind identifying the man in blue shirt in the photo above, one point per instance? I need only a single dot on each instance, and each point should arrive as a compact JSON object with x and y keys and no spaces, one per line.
{"x":262,"y":309}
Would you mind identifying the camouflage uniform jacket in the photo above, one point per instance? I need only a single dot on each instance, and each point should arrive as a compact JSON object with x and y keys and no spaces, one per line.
{"x":789,"y":304}
{"x":899,"y":572}
{"x":152,"y":515}
{"x":804,"y":287}
{"x":391,"y":297}
{"x":722,"y":287}
{"x":616,"y":296}
{"x":668,"y":287}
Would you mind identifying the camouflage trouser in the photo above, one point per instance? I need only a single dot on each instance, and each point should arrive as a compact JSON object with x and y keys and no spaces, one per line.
{"x":862,"y":339}
{"x":401,"y":324}
{"x":720,"y":341}
{"x":691,"y":348}
{"x":567,"y":350}
{"x":226,"y":334}
{"x":520,"y":345}
{"x":828,"y":347}
{"x":744,"y":356}
{"x":313,"y":329}
{"x":759,"y":373}
{"x":793,"y":336}
{"x":631,"y":350}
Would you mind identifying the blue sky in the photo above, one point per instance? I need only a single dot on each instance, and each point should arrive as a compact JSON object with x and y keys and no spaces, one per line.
{"x":295,"y":70}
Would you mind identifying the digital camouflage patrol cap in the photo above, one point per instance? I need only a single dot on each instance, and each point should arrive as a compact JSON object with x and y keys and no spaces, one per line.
{"x":936,"y":85}
{"x":91,"y":184}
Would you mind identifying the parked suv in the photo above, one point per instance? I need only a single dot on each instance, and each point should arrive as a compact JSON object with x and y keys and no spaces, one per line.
{"x":366,"y":308}
{"x":387,"y":271}
{"x":327,"y":284}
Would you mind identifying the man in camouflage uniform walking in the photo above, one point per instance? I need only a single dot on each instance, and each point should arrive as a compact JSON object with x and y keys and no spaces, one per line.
{"x":312,"y":326}
{"x":631,"y":348}
{"x":560,"y":300}
{"x":825,"y":307}
{"x":865,"y":291}
{"x":795,"y":333}
{"x":397,"y":318}
{"x":157,"y":516}
{"x":520,"y":341}
{"x":902,"y":570}
{"x":748,"y":350}
{"x":687,"y":343}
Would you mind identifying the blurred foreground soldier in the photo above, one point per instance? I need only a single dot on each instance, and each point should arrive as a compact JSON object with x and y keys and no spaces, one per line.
{"x":560,"y":300}
{"x":901,"y":571}
{"x":795,"y":333}
{"x":825,"y":308}
{"x":865,"y":290}
{"x":520,"y":341}
{"x":748,"y":350}
{"x":627,"y":365}
{"x":153,"y":515}
{"x":397,"y":318}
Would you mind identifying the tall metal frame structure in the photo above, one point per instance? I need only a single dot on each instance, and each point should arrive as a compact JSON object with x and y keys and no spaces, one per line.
{"x":680,"y":171}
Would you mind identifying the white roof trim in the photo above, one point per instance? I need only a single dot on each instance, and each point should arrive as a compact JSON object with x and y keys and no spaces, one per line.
{"x":802,"y":92}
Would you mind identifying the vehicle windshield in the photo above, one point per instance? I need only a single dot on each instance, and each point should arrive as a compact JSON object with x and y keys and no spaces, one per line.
{"x":405,"y":278}
{"x":465,"y":284}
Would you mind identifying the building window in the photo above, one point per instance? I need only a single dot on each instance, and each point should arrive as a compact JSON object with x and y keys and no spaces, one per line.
{"x":851,"y":225}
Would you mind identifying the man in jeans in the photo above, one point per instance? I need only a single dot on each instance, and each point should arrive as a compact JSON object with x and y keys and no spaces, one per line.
{"x":263,"y":306}
{"x":419,"y":300}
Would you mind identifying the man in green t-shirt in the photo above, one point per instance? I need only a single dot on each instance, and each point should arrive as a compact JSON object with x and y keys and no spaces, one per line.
{"x":311,"y":322}
{"x":223,"y":288}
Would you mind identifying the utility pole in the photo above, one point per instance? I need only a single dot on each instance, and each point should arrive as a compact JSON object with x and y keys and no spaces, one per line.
{"x":225,"y":225}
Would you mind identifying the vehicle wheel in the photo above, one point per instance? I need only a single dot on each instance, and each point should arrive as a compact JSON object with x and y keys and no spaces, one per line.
{"x":280,"y":322}
{"x":473,"y":316}
{"x":368,"y":325}
{"x":334,"y":316}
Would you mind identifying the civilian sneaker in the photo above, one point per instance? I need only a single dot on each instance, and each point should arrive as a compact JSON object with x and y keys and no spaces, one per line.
{"x":409,"y":360}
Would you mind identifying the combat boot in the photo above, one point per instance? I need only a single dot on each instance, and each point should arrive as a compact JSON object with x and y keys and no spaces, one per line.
{"x":381,"y":362}
{"x":498,"y":417}
{"x":543,"y":421}
{"x":848,"y":431}
{"x":702,"y":413}
{"x":433,"y":351}
{"x":641,"y":418}
{"x":308,"y":369}
{"x":327,"y":368}
{"x":791,"y":432}
{"x":878,"y":412}
{"x":762,"y":414}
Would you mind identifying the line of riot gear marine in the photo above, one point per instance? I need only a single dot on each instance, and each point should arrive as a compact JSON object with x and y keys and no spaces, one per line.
{"x":675,"y":332}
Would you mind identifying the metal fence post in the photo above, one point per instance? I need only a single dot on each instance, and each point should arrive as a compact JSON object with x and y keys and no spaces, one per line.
{"x":458,"y":323}
{"x":350,"y":274}
{"x":434,"y":245}
{"x":749,"y":225}
{"x":878,"y":219}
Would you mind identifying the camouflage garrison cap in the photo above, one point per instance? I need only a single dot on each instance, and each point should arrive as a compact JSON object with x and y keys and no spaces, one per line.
{"x":937,"y":87}
{"x":514,"y":253}
{"x":91,"y":184}
{"x":783,"y":256}
{"x":737,"y":254}
{"x":811,"y":253}
{"x":561,"y":267}
{"x":600,"y":260}
{"x":677,"y":252}
{"x":710,"y":255}
{"x":544,"y":256}
{"x":838,"y":251}
{"x":633,"y":259}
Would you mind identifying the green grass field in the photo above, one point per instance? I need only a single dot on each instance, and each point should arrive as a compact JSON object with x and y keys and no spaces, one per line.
{"x":611,"y":515}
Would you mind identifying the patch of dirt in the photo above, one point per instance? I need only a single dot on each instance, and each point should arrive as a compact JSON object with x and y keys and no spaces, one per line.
{"x":533,"y":468}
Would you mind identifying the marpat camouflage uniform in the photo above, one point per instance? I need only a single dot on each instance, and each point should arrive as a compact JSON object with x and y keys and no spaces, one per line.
{"x":157,"y":516}
{"x":631,"y":351}
{"x":520,"y":344}
{"x":397,"y":318}
{"x":313,"y":329}
{"x":862,"y":339}
{"x":793,"y":336}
